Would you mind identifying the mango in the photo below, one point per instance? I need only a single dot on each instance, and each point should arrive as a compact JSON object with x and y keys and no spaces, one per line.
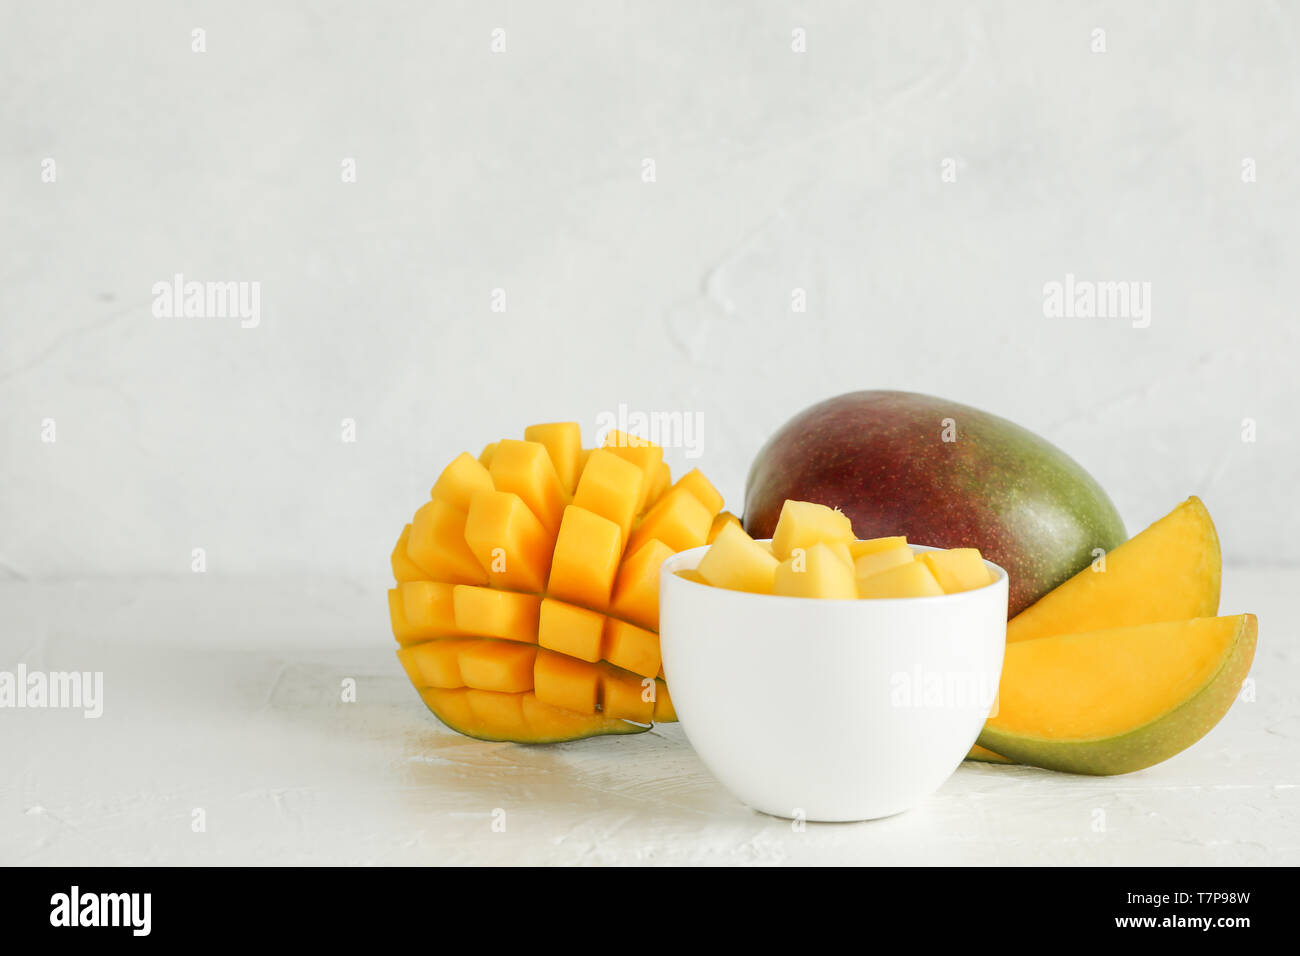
{"x":1169,"y":572}
{"x":721,"y":520}
{"x":946,"y":475}
{"x":912,"y":579}
{"x":803,"y":524}
{"x":872,"y":545}
{"x":817,"y":572}
{"x":737,"y":561}
{"x":957,"y":569}
{"x":1117,"y":700}
{"x":526,"y":606}
{"x":873,"y":562}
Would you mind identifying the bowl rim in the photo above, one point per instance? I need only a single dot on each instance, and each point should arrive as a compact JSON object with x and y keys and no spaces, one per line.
{"x":676,"y":560}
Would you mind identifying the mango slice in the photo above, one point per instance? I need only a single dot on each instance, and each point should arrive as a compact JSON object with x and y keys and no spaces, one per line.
{"x":1169,"y":572}
{"x":1121,"y":699}
{"x":527,"y":599}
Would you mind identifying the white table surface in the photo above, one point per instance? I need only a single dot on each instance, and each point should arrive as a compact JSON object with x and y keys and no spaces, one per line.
{"x":225,"y":695}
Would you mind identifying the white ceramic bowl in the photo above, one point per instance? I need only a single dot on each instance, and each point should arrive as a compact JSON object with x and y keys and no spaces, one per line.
{"x":830,"y":710}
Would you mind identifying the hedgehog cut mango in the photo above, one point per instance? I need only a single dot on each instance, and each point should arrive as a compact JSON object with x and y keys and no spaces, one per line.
{"x":526,"y":604}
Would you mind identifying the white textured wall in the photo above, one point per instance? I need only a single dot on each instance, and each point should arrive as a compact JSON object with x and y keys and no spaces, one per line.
{"x":522,"y":170}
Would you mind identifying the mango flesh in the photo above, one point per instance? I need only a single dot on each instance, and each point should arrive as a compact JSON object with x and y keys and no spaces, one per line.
{"x":1169,"y":572}
{"x":1118,"y":700}
{"x":803,"y":524}
{"x":737,"y":561}
{"x":885,"y":459}
{"x":912,"y":579}
{"x":820,"y":563}
{"x":873,"y":562}
{"x":527,"y":599}
{"x":817,"y":572}
{"x":982,"y":755}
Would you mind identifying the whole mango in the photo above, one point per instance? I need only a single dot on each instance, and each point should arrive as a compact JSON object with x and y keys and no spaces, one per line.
{"x":945,"y":475}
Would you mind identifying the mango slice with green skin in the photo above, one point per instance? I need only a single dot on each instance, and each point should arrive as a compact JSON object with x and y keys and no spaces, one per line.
{"x":1169,"y":572}
{"x":1121,"y":699}
{"x":526,"y":607}
{"x":982,"y":755}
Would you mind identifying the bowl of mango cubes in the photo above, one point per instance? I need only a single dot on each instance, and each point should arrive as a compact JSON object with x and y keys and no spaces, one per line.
{"x":824,"y":677}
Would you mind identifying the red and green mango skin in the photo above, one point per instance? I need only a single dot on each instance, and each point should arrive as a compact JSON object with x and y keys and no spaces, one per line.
{"x":881,"y":458}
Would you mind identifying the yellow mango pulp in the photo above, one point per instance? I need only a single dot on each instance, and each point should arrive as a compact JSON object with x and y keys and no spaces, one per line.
{"x":526,"y":606}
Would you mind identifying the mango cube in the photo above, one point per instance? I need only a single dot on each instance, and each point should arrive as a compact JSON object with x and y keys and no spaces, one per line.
{"x":435,"y":664}
{"x":569,"y":629}
{"x":905,"y":580}
{"x":632,"y":648}
{"x":610,"y":486}
{"x":663,"y":479}
{"x":628,"y":697}
{"x":957,"y":569}
{"x":586,"y":556}
{"x":738,"y":562}
{"x":841,"y":551}
{"x":641,"y":452}
{"x":436,"y":543}
{"x":719,"y":521}
{"x":636,"y":589}
{"x":703,"y":490}
{"x":524,"y":468}
{"x":428,"y":608}
{"x":492,"y":613}
{"x":404,"y":569}
{"x":508,"y":541}
{"x":815,"y":572}
{"x":563,"y":442}
{"x":402,"y":631}
{"x":678,"y":519}
{"x":561,"y":681}
{"x":461,"y":480}
{"x":498,"y":666}
{"x":868,"y":564}
{"x":872,"y":545}
{"x":803,"y":524}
